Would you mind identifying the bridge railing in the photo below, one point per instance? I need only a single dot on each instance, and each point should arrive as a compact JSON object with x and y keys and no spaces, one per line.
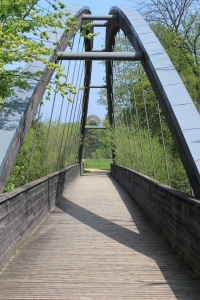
{"x":175,"y":214}
{"x":22,"y":210}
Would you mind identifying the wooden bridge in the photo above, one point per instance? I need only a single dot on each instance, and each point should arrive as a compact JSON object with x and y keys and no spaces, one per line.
{"x":123,"y":234}
{"x":97,"y":244}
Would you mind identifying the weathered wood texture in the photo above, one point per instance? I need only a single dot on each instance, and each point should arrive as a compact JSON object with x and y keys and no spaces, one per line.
{"x":23,"y":209}
{"x":97,"y":244}
{"x":175,"y":214}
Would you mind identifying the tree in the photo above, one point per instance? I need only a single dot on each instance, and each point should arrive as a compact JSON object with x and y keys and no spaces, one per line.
{"x":183,"y":48}
{"x":36,"y":158}
{"x":104,"y":143}
{"x":93,"y":120}
{"x":176,"y":24}
{"x":170,"y":13}
{"x":97,"y":142}
{"x":91,"y":136}
{"x":24,"y":28}
{"x":141,"y":132}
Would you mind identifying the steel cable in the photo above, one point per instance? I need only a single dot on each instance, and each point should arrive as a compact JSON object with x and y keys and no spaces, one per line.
{"x":132,"y":124}
{"x":69,"y":127}
{"x":47,"y":137}
{"x":65,"y":119}
{"x":163,"y":143}
{"x":75,"y":107}
{"x":77,"y":125}
{"x":33,"y":144}
{"x":147,"y":120}
{"x":118,"y":128}
{"x":127,"y":106}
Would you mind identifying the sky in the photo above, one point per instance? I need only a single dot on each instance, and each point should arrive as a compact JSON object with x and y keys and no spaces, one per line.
{"x":97,"y":7}
{"x":98,"y":69}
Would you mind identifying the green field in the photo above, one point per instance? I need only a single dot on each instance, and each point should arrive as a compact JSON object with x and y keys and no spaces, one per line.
{"x":101,"y":164}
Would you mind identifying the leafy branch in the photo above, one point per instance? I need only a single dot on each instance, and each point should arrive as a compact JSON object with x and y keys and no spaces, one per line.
{"x":20,"y":22}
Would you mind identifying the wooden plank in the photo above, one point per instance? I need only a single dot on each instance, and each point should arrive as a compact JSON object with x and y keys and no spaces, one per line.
{"x":23,"y":209}
{"x":175,"y":214}
{"x":97,"y":244}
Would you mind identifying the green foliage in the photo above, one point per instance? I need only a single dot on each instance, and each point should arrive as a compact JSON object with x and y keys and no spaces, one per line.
{"x":176,"y":24}
{"x":98,"y":163}
{"x":141,"y":137}
{"x":48,"y":149}
{"x":183,"y":48}
{"x":97,"y":141}
{"x":24,"y":28}
{"x":135,"y":153}
{"x":51,"y":152}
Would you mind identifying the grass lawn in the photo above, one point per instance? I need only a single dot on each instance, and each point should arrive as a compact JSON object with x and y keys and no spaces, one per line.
{"x":101,"y":164}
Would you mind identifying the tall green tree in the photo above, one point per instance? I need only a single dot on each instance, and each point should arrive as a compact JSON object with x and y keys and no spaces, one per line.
{"x":45,"y":152}
{"x":140,"y":125}
{"x":97,"y":141}
{"x":24,"y":28}
{"x":91,"y":137}
{"x":170,"y":13}
{"x":176,"y":24}
{"x":183,"y":49}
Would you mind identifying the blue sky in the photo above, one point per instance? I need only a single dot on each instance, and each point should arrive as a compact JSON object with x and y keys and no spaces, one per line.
{"x":98,"y":72}
{"x":97,"y":7}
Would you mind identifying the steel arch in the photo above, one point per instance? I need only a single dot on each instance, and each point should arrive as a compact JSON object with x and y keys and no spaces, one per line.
{"x":18,"y":112}
{"x":179,"y":110}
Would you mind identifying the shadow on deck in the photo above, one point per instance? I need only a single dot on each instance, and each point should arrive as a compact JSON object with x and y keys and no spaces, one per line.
{"x":97,"y":244}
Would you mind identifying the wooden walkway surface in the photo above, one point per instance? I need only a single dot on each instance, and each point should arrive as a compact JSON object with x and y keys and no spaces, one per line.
{"x":97,"y":244}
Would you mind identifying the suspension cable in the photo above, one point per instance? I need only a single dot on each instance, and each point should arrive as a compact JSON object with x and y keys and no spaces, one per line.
{"x":65,"y":120}
{"x":68,"y":131}
{"x":125,"y":104}
{"x":76,"y":140}
{"x":138,"y":127}
{"x":57,"y":130}
{"x":118,"y":123}
{"x":120,"y":120}
{"x":132,"y":124}
{"x":163,"y":144}
{"x":75,"y":106}
{"x":147,"y":120}
{"x":47,"y":137}
{"x":33,"y":144}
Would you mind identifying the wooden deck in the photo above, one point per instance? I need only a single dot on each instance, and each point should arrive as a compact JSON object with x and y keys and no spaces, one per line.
{"x":97,"y":244}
